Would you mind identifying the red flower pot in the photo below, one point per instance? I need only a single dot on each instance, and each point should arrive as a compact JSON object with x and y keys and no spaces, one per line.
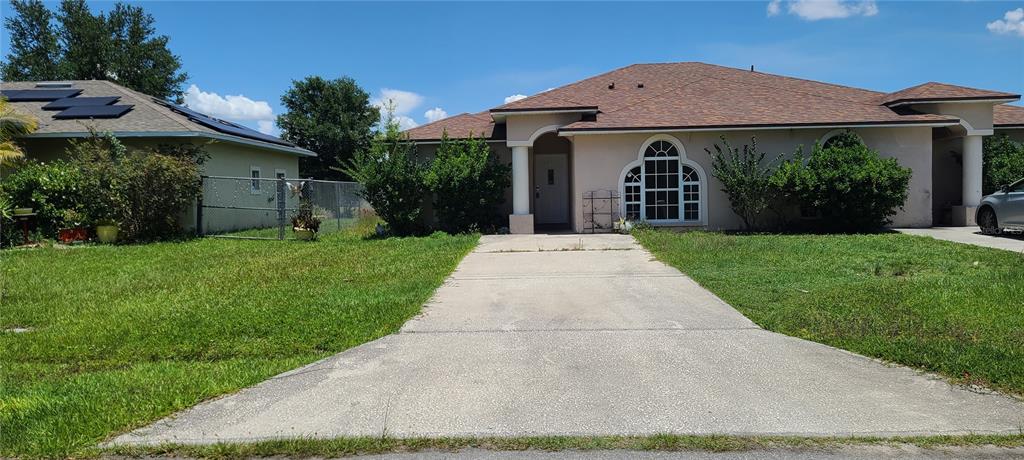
{"x":70,"y":235}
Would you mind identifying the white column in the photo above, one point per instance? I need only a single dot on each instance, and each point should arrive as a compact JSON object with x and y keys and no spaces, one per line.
{"x":520,"y":181}
{"x":972,"y":171}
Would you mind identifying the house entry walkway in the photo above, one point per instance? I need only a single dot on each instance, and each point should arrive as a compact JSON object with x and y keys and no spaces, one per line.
{"x":585,"y":335}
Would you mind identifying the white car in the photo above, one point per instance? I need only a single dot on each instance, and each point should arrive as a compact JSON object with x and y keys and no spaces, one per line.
{"x":1003,"y":210}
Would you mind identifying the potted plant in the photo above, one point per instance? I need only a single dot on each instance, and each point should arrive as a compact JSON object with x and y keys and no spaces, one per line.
{"x":106,"y":230}
{"x":74,"y":229}
{"x":305,"y":223}
{"x":624,"y":226}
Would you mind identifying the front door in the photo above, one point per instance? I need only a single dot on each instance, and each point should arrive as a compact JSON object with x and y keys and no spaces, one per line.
{"x":551,"y":188}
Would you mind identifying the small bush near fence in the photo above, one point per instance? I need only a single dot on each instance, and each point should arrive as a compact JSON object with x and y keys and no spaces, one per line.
{"x":392,"y":180}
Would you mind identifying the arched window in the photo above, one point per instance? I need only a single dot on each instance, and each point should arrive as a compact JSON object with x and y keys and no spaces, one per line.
{"x":662,"y":186}
{"x":691,"y":194}
{"x":631,"y":193}
{"x":840,"y":138}
{"x":661,"y":181}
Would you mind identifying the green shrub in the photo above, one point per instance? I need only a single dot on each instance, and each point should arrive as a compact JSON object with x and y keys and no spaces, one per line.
{"x":746,"y":178}
{"x":1003,"y":162}
{"x":468,"y":184}
{"x":392,"y":180}
{"x":49,"y":189}
{"x":849,"y":186}
{"x":143,"y":191}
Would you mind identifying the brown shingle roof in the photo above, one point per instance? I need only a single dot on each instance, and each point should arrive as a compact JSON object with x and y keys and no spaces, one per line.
{"x":458,"y":126}
{"x":1008,"y":115}
{"x":933,"y":91}
{"x":697,"y":95}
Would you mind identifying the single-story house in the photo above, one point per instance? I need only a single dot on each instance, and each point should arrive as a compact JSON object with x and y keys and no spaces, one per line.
{"x":69,"y":109}
{"x":642,"y":131}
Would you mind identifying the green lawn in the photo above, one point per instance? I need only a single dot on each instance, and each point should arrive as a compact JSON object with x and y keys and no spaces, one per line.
{"x":328,"y":226}
{"x":121,"y":336}
{"x":945,"y":307}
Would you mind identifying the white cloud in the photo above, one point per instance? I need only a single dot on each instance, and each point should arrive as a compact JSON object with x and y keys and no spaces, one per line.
{"x":435,"y":114}
{"x":266,"y":127}
{"x":813,"y":10}
{"x":1011,"y":24}
{"x":405,"y":122}
{"x":514,"y":97}
{"x":229,"y":107}
{"x":404,"y":102}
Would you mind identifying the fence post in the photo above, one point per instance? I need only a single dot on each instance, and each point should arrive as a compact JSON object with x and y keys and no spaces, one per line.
{"x":280,"y":208}
{"x":199,"y":216}
{"x":337,"y":205}
{"x":199,"y":206}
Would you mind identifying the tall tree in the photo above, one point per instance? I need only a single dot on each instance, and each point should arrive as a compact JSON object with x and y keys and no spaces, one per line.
{"x":85,"y":42}
{"x":35,"y":52}
{"x":75,"y":44}
{"x":330,"y":117}
{"x":141,"y":59}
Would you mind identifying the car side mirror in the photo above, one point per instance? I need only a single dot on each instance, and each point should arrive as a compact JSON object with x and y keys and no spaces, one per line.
{"x":1005,"y":188}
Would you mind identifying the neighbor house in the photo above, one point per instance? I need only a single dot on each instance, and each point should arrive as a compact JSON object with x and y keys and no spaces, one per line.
{"x":71,"y":109}
{"x":640,"y":133}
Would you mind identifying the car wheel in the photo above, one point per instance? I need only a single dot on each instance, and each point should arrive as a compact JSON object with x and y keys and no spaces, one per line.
{"x":988,"y":222}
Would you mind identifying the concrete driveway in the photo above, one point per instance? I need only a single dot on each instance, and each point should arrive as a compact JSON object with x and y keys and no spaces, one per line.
{"x":970,"y":235}
{"x":586,"y":335}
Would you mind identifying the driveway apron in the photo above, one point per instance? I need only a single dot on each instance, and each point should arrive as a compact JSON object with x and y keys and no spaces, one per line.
{"x":586,"y":335}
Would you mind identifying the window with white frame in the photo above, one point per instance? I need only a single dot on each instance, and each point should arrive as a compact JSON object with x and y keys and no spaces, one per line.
{"x":631,"y":190}
{"x":691,"y":194}
{"x":254,"y":182}
{"x":662,"y":186}
{"x":661,"y":181}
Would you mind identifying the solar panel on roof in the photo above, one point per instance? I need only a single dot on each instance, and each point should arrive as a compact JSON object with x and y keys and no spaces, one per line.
{"x":93,"y":111}
{"x":223,"y":126}
{"x":54,"y":85}
{"x":41,"y":95}
{"x":69,"y":102}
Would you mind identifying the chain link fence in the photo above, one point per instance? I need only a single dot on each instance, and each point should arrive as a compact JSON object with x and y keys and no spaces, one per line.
{"x":262,"y":208}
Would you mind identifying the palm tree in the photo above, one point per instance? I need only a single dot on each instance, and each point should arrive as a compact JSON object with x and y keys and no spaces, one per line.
{"x":13,"y":124}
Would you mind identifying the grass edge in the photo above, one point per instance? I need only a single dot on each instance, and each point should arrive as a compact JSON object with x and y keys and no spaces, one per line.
{"x":351,"y":446}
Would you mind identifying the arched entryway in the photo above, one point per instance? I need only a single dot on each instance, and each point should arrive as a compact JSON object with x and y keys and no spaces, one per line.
{"x":551,"y":183}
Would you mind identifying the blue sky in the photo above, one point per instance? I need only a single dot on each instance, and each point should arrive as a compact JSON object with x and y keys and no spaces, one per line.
{"x":467,"y":57}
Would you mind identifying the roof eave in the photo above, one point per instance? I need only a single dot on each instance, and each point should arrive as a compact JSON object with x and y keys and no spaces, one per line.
{"x":617,"y":130}
{"x":185,"y":134}
{"x":499,"y":115}
{"x":954,"y":100}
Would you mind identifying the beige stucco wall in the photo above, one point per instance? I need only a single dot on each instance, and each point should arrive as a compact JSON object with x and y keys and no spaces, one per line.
{"x":977,"y":114}
{"x":519,"y":128}
{"x":226,"y":159}
{"x":598,"y":162}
